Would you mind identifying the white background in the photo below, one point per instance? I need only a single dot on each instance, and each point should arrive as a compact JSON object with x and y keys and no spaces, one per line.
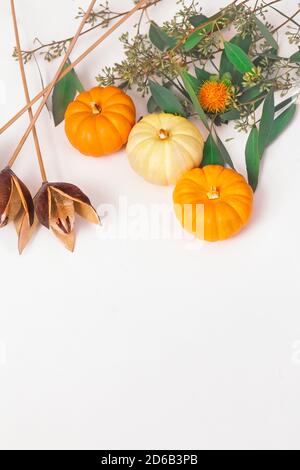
{"x":144,"y":344}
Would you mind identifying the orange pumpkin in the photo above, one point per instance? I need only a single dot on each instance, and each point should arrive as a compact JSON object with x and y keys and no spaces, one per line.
{"x":99,"y":121}
{"x":214,"y":203}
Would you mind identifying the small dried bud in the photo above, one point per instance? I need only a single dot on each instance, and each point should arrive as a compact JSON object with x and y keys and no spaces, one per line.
{"x":56,"y":205}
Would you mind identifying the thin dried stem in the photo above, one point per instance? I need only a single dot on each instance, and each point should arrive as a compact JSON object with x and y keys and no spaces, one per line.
{"x":74,"y":64}
{"x":26,"y":91}
{"x":288,"y":20}
{"x":51,"y":86}
{"x":116,"y":16}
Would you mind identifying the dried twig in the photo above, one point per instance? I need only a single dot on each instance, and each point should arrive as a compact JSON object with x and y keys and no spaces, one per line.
{"x":72,"y":65}
{"x":26,"y":91}
{"x":51,"y":86}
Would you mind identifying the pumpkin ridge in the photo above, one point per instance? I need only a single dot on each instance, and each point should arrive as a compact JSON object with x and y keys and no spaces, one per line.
{"x":205,"y":177}
{"x":142,"y":129}
{"x":83,"y":121}
{"x":235,"y":211}
{"x":120,"y":97}
{"x":75,"y":136}
{"x":185,"y":180}
{"x":188,"y":155}
{"x":97,"y":133}
{"x":142,"y":133}
{"x":182,"y":128}
{"x":107,"y":108}
{"x":108,"y":98}
{"x":168,"y":163}
{"x":149,"y":124}
{"x":192,"y":186}
{"x":199,"y":199}
{"x":185,"y":135}
{"x":133,"y":149}
{"x":215,"y":223}
{"x":188,"y":178}
{"x":79,"y":112}
{"x":149,"y":155}
{"x":234,"y":180}
{"x":232,"y":184}
{"x":96,"y":93}
{"x":237,"y":197}
{"x":78,"y":100}
{"x":81,"y":131}
{"x":113,"y":126}
{"x":116,"y":114}
{"x":235,"y":186}
{"x":111,"y":105}
{"x":181,"y":144}
{"x":135,"y":162}
{"x":190,"y":142}
{"x":212,"y":175}
{"x":226,"y":218}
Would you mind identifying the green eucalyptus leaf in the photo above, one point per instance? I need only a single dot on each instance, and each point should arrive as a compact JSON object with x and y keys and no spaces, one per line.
{"x":282,"y":122}
{"x":212,"y":154}
{"x":77,"y":82}
{"x":64,"y":93}
{"x":251,"y":94}
{"x":266,"y":33}
{"x":152,"y":105}
{"x":160,"y":38}
{"x":231,"y":115}
{"x":234,"y":114}
{"x":239,"y":59}
{"x":123,"y":85}
{"x":165,"y":99}
{"x":226,"y":66}
{"x":202,"y":75}
{"x":224,"y":152}
{"x":266,"y":122}
{"x":198,"y":20}
{"x":195,"y":83}
{"x":284,"y":103}
{"x":193,"y":40}
{"x":188,"y":82}
{"x":253,"y":158}
{"x":203,"y":27}
{"x":295,"y":57}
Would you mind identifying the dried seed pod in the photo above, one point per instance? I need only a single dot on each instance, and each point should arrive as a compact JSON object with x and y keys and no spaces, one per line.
{"x":16,"y":205}
{"x":56,"y":205}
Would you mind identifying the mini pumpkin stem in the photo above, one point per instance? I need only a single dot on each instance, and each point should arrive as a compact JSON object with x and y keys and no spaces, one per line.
{"x":96,"y":108}
{"x":163,"y":134}
{"x":214,"y":193}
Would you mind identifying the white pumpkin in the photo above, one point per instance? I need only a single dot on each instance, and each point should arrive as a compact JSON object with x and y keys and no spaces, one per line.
{"x":161,"y":147}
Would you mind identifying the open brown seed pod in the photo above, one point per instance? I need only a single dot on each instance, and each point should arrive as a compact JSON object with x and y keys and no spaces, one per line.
{"x":16,"y":205}
{"x":56,"y":205}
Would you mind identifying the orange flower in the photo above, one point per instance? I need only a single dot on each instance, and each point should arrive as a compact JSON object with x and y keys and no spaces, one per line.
{"x":214,"y":96}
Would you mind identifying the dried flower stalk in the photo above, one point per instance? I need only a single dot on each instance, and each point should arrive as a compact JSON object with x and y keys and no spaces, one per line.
{"x":55,"y":203}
